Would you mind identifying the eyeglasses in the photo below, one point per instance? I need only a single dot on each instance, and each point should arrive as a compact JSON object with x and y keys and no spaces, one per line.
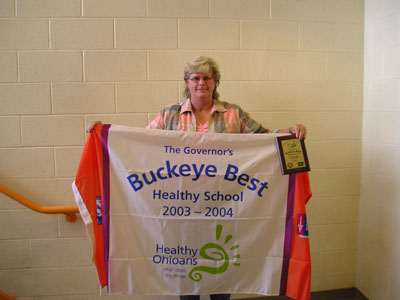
{"x":197,"y":79}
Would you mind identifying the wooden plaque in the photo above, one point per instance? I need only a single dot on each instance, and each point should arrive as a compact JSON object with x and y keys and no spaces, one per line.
{"x":292,"y":154}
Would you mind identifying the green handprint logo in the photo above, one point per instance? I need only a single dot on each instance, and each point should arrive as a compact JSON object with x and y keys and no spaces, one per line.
{"x":219,"y":254}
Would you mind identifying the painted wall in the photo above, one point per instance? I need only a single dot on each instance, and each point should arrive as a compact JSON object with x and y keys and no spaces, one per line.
{"x":65,"y":63}
{"x":379,"y":239}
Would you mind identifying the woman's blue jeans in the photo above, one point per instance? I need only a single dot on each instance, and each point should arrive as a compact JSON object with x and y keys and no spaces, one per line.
{"x":212,"y":297}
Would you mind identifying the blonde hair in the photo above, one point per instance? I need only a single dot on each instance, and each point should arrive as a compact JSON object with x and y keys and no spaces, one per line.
{"x":202,"y":64}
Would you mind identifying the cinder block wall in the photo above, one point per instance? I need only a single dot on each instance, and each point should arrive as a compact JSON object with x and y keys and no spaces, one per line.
{"x":65,"y":63}
{"x":378,"y":274}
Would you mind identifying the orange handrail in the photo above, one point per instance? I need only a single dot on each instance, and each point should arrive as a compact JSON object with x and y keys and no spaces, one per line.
{"x":69,"y":211}
{"x":4,"y":296}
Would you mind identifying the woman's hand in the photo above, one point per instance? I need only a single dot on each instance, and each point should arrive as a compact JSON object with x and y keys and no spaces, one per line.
{"x":299,"y":130}
{"x":92,"y":125}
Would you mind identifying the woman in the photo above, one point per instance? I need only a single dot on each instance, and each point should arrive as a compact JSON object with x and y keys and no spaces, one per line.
{"x":202,"y":111}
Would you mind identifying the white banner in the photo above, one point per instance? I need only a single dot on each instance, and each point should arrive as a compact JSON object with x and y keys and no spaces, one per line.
{"x":186,"y":213}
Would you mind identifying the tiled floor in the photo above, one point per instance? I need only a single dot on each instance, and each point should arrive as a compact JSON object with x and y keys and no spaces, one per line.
{"x":343,"y":294}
